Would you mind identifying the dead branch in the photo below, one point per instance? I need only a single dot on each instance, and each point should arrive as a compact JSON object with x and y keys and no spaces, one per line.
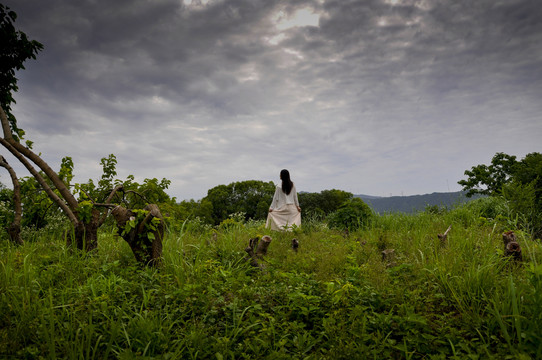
{"x":138,"y":194}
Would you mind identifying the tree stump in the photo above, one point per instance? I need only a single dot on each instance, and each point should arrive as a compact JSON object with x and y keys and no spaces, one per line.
{"x":511,"y":246}
{"x":261,"y":249}
{"x":295,"y":244}
{"x":388,"y":256}
{"x":257,"y":249}
{"x":444,"y":237}
{"x":145,"y":244}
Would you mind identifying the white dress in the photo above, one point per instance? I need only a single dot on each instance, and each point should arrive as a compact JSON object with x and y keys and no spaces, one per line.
{"x":284,"y":212}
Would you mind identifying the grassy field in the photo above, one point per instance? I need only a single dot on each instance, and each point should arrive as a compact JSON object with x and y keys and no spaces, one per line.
{"x":336,"y":298}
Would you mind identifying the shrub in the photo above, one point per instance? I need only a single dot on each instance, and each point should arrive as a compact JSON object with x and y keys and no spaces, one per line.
{"x":351,"y":215}
{"x":521,"y":201}
{"x":489,"y":207}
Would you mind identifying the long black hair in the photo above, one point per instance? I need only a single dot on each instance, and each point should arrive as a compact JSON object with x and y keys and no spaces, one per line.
{"x":287,"y":184}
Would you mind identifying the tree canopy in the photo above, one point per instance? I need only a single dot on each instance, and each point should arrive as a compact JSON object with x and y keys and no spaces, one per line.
{"x":489,"y":179}
{"x":518,"y":181}
{"x":504,"y":169}
{"x":16,"y":48}
{"x":251,"y":197}
{"x":324,"y":202}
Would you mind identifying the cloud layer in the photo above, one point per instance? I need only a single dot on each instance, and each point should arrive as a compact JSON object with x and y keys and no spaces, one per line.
{"x":377,"y":97}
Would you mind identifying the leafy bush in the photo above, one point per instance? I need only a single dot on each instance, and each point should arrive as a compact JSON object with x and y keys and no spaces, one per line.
{"x":489,"y":207}
{"x":352,"y":215}
{"x":522,"y":204}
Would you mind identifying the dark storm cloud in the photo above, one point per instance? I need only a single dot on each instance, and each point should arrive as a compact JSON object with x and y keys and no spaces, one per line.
{"x":231,"y":90}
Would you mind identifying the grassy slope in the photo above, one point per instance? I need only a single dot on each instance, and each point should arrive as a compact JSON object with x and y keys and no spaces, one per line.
{"x":333,"y":299}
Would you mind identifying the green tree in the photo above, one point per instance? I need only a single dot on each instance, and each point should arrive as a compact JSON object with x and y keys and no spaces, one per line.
{"x":519,"y":182}
{"x":251,"y":197}
{"x":85,"y":215}
{"x":324,"y":202}
{"x":489,"y":179}
{"x":351,"y":215}
{"x":16,"y":48}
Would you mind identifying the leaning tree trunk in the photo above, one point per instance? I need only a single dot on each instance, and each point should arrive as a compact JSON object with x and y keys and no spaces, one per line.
{"x":85,"y":234}
{"x":144,"y":238}
{"x":14,"y":230}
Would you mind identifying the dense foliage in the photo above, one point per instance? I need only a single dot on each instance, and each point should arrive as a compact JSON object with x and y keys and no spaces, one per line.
{"x":16,"y":48}
{"x":40,"y":212}
{"x":519,"y":182}
{"x":323,"y":203}
{"x":351,"y":215}
{"x":251,"y":197}
{"x":335,"y":298}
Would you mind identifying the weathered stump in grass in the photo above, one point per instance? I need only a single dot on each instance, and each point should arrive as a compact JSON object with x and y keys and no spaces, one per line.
{"x":257,"y":249}
{"x":263,"y":245}
{"x":444,"y":237}
{"x":511,"y":246}
{"x":251,"y":255}
{"x":295,"y":244}
{"x":388,"y":256}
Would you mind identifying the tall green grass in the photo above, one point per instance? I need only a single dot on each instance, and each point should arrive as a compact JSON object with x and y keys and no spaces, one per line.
{"x":335,"y":298}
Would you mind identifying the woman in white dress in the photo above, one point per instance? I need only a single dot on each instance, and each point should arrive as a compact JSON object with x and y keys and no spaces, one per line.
{"x":284,"y":210}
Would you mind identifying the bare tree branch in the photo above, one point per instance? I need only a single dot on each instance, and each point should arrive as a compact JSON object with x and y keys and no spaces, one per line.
{"x":140,"y":195}
{"x":113,"y":192}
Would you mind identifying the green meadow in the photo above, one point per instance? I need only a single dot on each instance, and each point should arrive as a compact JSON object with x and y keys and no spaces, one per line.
{"x":337,"y":297}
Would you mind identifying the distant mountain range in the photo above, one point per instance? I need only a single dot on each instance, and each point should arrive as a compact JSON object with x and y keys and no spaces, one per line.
{"x":415,"y":203}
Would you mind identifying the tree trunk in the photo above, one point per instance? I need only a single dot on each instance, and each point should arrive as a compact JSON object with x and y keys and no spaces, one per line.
{"x":261,"y":249}
{"x":85,"y":235}
{"x":257,"y":249}
{"x":14,"y":230}
{"x":147,"y":250}
{"x":295,"y":244}
{"x":511,"y":246}
{"x":444,"y":237}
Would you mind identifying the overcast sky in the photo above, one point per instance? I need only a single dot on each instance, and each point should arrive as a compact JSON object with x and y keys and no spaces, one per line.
{"x":378,"y":97}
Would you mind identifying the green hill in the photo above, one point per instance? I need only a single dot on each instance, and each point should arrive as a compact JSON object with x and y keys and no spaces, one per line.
{"x":415,"y":203}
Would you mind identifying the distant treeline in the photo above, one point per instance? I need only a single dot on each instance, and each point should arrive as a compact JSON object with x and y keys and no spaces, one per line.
{"x":252,"y":198}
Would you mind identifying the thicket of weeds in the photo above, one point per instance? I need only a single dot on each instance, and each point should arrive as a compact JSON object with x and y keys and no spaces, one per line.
{"x":336,"y":297}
